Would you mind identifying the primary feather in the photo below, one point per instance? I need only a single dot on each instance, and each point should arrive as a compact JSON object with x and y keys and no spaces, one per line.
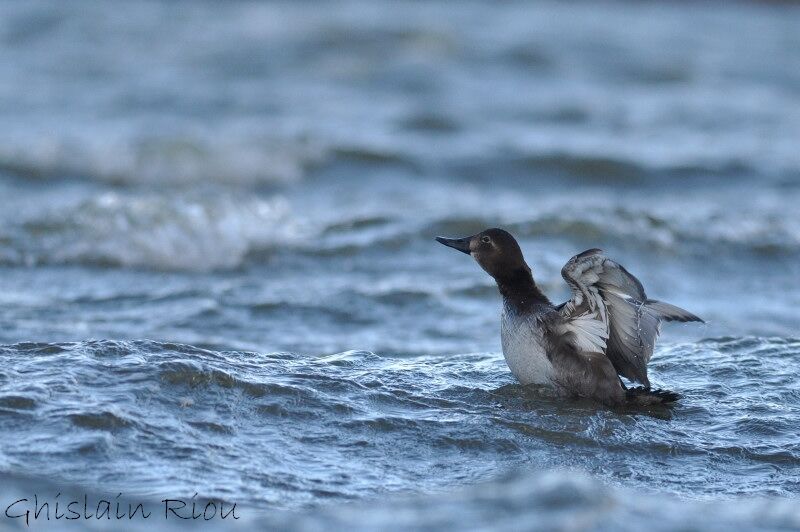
{"x":610,"y":311}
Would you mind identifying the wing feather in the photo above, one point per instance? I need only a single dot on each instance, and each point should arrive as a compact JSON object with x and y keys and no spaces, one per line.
{"x":609,"y":312}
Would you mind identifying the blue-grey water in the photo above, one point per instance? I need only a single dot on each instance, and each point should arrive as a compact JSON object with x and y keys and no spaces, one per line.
{"x":217,"y":271}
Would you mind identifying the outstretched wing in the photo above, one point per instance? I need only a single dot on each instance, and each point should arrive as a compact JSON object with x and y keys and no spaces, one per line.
{"x":609,"y":311}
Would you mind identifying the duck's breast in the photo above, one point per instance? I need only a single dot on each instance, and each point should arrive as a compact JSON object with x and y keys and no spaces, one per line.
{"x":524,"y":348}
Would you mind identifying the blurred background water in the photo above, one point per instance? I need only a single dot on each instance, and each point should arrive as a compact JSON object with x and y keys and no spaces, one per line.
{"x":262,"y":181}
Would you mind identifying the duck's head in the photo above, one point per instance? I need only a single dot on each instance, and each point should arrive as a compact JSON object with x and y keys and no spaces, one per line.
{"x":495,"y":250}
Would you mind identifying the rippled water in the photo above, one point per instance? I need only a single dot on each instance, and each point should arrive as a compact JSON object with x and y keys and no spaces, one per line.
{"x":254,"y":188}
{"x":283,"y":430}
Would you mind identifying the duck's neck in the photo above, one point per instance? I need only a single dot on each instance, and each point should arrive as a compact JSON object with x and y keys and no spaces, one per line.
{"x":519,"y":290}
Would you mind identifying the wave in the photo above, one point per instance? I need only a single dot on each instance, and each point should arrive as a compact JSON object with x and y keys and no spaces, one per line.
{"x":351,"y":423}
{"x":256,"y":160}
{"x":691,"y":225}
{"x":553,"y":500}
{"x":226,"y":230}
{"x":153,"y":232}
{"x":762,"y":235}
{"x":181,"y":160}
{"x":623,"y":169}
{"x":548,"y":500}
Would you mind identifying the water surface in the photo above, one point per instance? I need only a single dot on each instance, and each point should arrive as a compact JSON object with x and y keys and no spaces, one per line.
{"x":217,"y":271}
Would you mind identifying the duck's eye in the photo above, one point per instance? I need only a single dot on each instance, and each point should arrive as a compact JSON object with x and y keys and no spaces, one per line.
{"x":485,"y":239}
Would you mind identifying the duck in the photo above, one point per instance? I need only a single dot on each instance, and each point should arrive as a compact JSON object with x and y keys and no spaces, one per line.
{"x":583,"y":347}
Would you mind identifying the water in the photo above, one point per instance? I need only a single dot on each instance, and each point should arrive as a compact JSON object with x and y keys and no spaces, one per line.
{"x":217,"y":272}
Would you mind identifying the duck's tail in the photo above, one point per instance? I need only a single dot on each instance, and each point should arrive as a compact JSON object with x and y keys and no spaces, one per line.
{"x":668,"y":312}
{"x":642,"y":396}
